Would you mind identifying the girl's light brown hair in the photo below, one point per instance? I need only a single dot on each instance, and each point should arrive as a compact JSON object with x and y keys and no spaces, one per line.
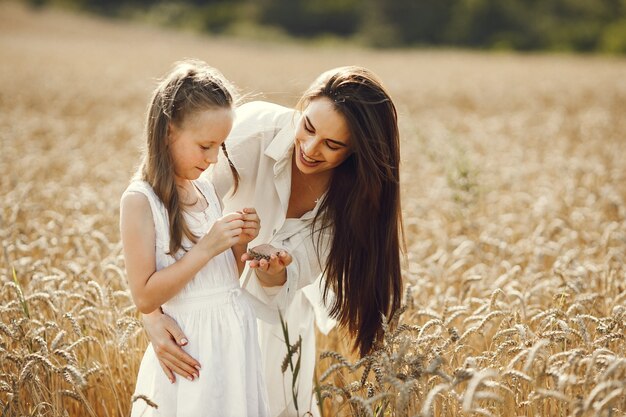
{"x":362,"y":205}
{"x":190,"y":87}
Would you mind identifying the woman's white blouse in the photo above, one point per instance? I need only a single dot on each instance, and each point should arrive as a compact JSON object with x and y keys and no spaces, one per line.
{"x":261,"y":145}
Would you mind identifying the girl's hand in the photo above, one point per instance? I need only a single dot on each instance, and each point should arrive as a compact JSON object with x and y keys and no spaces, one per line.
{"x":224,"y":233}
{"x":167,"y":338}
{"x":251,"y":226}
{"x":273,"y":272}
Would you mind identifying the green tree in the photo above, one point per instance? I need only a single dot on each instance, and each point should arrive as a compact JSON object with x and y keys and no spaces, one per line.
{"x":311,"y":17}
{"x":418,"y":21}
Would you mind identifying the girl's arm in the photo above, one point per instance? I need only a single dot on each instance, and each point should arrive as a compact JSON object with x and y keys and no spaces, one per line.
{"x":151,"y":288}
{"x":251,"y":227}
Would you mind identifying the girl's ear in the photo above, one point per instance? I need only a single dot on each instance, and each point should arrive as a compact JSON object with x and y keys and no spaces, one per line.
{"x":171,"y":133}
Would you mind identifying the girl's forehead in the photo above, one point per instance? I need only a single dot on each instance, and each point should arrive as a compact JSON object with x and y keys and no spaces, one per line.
{"x":207,"y":115}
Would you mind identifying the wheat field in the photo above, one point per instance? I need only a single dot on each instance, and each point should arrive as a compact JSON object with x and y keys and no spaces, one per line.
{"x":514,"y":202}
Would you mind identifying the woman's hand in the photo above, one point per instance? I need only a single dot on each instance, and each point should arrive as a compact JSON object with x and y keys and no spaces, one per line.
{"x":251,"y":226}
{"x":270,"y":272}
{"x":167,"y":338}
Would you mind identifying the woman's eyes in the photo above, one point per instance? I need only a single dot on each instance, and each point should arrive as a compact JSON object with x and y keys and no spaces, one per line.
{"x":205,"y":148}
{"x":331,"y":146}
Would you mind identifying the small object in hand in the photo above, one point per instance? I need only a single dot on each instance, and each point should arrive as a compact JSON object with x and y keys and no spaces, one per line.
{"x":264,"y":251}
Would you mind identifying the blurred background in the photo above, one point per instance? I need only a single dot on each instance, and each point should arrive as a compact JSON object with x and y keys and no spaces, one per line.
{"x":556,"y":25}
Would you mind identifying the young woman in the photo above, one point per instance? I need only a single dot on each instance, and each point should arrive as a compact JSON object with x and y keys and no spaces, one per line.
{"x":177,"y":249}
{"x":325,"y":182}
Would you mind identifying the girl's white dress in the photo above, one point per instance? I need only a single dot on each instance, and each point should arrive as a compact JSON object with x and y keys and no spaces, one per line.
{"x":216,"y":316}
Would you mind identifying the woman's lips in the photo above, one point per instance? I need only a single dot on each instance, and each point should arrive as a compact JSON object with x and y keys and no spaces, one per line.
{"x":306,"y":162}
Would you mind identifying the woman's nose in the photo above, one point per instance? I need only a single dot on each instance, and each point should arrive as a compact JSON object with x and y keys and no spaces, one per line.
{"x":310,"y":145}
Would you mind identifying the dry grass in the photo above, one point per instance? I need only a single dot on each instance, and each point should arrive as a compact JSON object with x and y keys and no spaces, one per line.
{"x":514,"y":199}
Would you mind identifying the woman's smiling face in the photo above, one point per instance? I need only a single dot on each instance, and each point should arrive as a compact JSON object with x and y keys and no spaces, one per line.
{"x":323,"y":140}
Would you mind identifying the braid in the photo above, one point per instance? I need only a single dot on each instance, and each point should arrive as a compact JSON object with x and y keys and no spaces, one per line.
{"x":233,"y":170}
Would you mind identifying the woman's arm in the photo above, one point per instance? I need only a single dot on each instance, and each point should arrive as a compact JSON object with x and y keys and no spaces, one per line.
{"x":151,"y":288}
{"x":299,"y":263}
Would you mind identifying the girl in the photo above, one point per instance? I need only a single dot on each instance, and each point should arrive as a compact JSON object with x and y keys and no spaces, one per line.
{"x":328,"y":190}
{"x":177,"y":249}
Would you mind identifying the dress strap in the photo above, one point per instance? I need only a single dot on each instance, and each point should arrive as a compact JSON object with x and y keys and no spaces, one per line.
{"x":159,"y":213}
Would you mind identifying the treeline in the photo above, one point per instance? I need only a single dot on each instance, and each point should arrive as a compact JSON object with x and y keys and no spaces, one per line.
{"x":571,"y":25}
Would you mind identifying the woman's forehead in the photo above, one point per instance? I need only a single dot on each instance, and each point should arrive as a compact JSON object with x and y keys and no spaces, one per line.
{"x":326,"y":120}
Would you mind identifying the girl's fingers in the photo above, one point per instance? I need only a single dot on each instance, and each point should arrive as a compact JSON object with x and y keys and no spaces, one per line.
{"x":250,"y":215}
{"x":231,"y":216}
{"x":236,"y":224}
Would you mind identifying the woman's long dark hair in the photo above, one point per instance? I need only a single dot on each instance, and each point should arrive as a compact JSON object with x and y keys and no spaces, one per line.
{"x":362,"y":206}
{"x":190,"y":87}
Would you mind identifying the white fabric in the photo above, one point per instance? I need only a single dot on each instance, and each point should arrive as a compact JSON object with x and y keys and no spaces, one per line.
{"x":261,"y":147}
{"x":219,"y":322}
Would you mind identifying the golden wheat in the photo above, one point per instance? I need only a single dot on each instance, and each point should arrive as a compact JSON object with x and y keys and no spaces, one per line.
{"x":514,"y":203}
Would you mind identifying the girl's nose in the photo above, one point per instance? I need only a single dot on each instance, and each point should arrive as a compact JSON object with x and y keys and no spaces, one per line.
{"x":211,"y":157}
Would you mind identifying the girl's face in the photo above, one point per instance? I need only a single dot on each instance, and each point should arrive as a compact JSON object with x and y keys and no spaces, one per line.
{"x":322,"y":138}
{"x":195,"y":144}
